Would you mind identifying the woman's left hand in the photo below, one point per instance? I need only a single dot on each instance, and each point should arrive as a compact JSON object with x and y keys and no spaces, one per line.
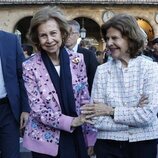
{"x":90,"y":151}
{"x":143,"y":101}
{"x":96,"y":109}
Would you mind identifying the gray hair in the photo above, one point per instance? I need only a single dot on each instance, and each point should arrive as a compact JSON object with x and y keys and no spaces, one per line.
{"x":75,"y":24}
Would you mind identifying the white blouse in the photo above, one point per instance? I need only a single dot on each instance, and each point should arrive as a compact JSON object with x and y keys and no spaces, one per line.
{"x":57,"y":67}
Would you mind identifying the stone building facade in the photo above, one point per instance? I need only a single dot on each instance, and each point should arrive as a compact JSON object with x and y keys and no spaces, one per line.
{"x":94,"y":13}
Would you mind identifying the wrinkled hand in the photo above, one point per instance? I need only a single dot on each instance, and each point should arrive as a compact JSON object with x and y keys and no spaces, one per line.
{"x":96,"y":109}
{"x":80,"y":120}
{"x":143,"y":101}
{"x":90,"y":151}
{"x":23,"y":119}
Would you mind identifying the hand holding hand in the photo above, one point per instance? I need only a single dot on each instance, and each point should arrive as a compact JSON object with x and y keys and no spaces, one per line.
{"x":80,"y":120}
{"x":96,"y":109}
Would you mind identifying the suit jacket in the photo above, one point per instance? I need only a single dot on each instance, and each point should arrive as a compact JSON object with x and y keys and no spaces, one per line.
{"x":42,"y":132}
{"x":91,"y":64}
{"x":12,"y":56}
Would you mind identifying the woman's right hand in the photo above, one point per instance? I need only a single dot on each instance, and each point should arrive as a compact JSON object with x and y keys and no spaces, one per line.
{"x":80,"y":120}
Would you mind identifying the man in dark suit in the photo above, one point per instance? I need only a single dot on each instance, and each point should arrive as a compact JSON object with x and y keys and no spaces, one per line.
{"x":14,"y":106}
{"x":89,"y":57}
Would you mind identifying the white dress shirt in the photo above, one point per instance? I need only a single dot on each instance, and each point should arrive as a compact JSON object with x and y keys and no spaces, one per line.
{"x":75,"y":48}
{"x":122,"y":89}
{"x":3,"y":92}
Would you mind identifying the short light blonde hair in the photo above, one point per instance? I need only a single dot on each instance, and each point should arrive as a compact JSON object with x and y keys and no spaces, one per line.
{"x":42,"y":16}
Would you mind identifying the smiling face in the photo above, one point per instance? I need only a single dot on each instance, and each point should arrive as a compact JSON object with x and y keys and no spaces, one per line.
{"x":117,"y":44}
{"x":49,"y":36}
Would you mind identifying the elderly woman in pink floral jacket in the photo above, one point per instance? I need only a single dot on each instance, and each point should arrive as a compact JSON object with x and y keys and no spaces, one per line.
{"x":56,"y":84}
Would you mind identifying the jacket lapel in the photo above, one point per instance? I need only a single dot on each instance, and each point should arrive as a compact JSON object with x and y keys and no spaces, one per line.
{"x":50,"y":85}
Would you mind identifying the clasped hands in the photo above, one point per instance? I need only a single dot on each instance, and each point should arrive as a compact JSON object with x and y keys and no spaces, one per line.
{"x":80,"y":120}
{"x":89,"y":111}
{"x":96,"y":109}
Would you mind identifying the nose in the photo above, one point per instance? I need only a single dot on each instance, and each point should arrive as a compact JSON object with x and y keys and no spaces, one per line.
{"x":49,"y":39}
{"x":109,"y":42}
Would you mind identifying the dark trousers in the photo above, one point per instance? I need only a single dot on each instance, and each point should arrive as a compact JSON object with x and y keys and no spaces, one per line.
{"x":124,"y":149}
{"x":9,"y":133}
{"x":38,"y":155}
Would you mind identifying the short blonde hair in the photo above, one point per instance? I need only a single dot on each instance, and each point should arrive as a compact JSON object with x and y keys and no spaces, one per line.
{"x":44,"y":15}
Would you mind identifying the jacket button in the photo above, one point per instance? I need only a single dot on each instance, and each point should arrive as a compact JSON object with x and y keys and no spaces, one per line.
{"x":130,"y":133}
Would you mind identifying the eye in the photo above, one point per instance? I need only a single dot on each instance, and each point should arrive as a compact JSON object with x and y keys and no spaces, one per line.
{"x":42,"y":35}
{"x":53,"y":33}
{"x":115,"y":37}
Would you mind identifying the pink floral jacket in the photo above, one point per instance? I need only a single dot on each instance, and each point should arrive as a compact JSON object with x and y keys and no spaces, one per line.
{"x":42,"y":132}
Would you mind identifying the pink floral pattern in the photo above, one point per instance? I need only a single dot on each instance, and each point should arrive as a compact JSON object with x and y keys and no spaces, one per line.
{"x":46,"y":119}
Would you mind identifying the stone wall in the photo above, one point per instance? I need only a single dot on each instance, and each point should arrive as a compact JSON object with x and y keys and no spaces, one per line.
{"x":12,"y":14}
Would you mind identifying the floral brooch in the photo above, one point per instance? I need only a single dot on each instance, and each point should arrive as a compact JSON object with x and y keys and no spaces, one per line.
{"x":76,"y":60}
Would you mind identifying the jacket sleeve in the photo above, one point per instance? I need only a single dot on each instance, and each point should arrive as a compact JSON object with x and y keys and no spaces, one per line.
{"x":39,"y":111}
{"x":142,"y":116}
{"x":23,"y":95}
{"x":90,"y":131}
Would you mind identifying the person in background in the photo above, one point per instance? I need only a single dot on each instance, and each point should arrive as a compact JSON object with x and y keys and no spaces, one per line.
{"x":27,"y":49}
{"x":57,"y":87}
{"x":150,"y":50}
{"x":93,"y":49}
{"x":100,"y":57}
{"x":106,"y":55}
{"x":89,"y":57}
{"x":125,"y":95}
{"x":84,"y":43}
{"x":14,"y":106}
{"x":146,"y":51}
{"x":155,"y":49}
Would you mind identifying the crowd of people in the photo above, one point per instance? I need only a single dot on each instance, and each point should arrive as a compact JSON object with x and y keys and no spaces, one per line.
{"x":77,"y":102}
